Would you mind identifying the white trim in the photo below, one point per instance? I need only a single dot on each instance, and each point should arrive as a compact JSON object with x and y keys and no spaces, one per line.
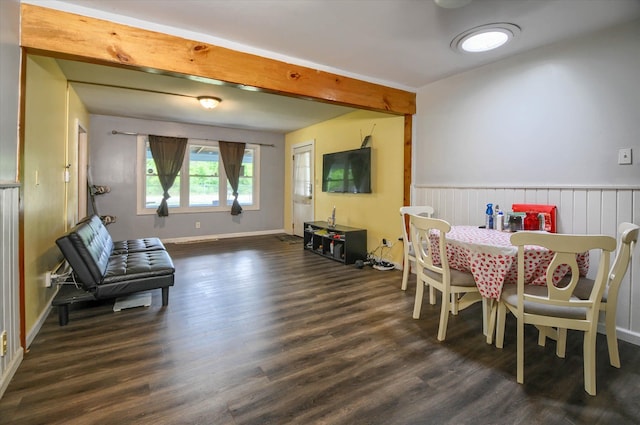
{"x":623,"y":334}
{"x":11,"y":370}
{"x":204,"y":238}
{"x":33,"y":332}
{"x":312,"y":144}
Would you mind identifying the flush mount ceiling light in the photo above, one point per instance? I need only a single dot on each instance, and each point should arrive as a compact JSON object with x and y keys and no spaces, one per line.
{"x":485,"y":37}
{"x":451,"y":4}
{"x":209,"y":102}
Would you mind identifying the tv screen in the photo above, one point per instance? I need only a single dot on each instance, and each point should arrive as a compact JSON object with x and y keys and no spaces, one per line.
{"x":347,"y":171}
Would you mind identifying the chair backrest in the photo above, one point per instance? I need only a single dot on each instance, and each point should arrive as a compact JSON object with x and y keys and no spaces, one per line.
{"x":423,"y":248}
{"x":87,"y":247}
{"x":565,"y":249}
{"x":424,"y":210}
{"x":628,"y":238}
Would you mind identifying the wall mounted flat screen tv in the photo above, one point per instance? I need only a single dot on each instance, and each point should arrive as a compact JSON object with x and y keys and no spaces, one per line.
{"x":347,"y":171}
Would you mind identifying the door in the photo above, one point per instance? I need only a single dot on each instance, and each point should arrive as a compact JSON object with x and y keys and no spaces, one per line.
{"x":75,"y":176}
{"x":302,"y":186}
{"x":83,"y":163}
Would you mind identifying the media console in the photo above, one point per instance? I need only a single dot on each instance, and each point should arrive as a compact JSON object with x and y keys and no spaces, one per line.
{"x":340,"y":243}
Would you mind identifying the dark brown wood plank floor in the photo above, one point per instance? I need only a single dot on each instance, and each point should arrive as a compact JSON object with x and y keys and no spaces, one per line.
{"x":258,"y":331}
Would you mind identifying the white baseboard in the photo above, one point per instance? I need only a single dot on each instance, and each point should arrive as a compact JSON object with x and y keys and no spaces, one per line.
{"x":33,"y":332}
{"x":204,"y":238}
{"x":623,"y":334}
{"x":12,"y":368}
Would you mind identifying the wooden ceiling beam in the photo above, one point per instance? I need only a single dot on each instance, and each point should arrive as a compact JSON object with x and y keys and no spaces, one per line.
{"x":66,"y":35}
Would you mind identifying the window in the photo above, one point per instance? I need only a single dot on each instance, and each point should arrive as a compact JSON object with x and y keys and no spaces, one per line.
{"x":201,"y":184}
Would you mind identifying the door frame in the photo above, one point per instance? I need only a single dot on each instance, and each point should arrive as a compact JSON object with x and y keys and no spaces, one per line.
{"x":295,"y":146}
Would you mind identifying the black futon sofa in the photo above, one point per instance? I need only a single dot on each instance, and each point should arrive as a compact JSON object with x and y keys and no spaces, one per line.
{"x":105,"y":269}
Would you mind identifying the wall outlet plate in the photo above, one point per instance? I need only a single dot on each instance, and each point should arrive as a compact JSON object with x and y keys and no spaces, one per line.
{"x":624,"y":156}
{"x":3,"y":343}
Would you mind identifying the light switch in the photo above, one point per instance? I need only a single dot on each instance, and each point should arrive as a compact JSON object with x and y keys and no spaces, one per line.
{"x":624,"y":156}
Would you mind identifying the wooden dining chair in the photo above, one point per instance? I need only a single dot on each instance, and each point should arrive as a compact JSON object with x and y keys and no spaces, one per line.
{"x":409,"y":257}
{"x":451,"y":283}
{"x":628,"y":238}
{"x":557,"y":306}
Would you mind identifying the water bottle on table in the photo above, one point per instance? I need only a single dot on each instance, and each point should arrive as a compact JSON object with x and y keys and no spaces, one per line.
{"x":489,"y":217}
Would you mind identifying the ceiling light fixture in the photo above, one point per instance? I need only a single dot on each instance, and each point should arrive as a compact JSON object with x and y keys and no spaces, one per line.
{"x":485,"y":37}
{"x":451,"y":4}
{"x":209,"y":102}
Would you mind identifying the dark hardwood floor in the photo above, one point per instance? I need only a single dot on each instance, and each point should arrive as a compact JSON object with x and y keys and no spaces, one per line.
{"x":258,"y":331}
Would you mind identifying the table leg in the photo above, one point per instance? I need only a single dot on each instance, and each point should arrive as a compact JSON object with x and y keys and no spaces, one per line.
{"x":489,"y":312}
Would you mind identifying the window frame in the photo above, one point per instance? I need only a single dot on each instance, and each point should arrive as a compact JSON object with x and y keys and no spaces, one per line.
{"x":184,"y":208}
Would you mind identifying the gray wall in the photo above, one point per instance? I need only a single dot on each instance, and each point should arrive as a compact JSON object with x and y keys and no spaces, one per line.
{"x":554,"y":116}
{"x":112,"y":160}
{"x":9,"y":85}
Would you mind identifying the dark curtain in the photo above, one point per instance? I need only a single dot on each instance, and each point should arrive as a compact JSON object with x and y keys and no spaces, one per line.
{"x":168,"y":154}
{"x":232,"y":154}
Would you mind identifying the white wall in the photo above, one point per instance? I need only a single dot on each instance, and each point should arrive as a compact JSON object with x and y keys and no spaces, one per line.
{"x":553,"y":116}
{"x":112,"y":160}
{"x":542,"y":127}
{"x":9,"y":84}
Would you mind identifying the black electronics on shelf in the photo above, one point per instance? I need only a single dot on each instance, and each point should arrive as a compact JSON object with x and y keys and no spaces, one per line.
{"x":340,"y":243}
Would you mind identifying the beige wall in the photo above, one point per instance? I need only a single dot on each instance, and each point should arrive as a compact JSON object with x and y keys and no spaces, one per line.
{"x":377,"y":212}
{"x":47,"y":116}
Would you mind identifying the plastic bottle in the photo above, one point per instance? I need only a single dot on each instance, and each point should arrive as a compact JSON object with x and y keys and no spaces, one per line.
{"x":499,"y":218}
{"x":489,"y":217}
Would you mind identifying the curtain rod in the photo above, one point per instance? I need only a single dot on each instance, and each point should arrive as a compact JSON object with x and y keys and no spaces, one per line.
{"x":128,"y":133}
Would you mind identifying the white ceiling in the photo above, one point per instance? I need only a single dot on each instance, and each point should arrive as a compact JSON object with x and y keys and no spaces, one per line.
{"x":399,"y":43}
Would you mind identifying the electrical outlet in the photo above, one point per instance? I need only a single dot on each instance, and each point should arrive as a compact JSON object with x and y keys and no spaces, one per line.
{"x":197,"y":224}
{"x":386,"y":242}
{"x":3,"y":343}
{"x":47,"y":279}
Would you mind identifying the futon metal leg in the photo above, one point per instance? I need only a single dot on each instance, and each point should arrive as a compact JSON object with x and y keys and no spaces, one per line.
{"x":165,"y":296}
{"x":63,"y":314}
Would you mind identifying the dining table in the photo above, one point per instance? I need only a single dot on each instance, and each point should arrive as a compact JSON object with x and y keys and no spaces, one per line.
{"x":492,"y":260}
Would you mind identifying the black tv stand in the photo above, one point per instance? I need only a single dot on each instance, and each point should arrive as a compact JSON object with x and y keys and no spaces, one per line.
{"x":339,"y":243}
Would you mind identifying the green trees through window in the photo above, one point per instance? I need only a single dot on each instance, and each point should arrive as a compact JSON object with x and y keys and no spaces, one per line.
{"x":206,"y":184}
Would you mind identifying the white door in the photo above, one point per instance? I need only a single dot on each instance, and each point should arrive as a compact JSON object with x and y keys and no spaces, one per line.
{"x":81,"y":172}
{"x":302,"y":186}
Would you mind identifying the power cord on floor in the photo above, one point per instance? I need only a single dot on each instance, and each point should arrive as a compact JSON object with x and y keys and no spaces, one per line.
{"x":378,"y":262}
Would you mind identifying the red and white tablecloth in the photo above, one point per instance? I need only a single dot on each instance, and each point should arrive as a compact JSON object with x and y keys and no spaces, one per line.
{"x":490,"y":257}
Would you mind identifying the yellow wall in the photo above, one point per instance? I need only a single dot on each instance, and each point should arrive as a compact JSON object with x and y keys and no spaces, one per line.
{"x":42,"y":173}
{"x":377,"y":212}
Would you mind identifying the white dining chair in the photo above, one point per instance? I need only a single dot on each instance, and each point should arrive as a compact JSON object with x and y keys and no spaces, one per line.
{"x":608,"y":305}
{"x":409,"y":257}
{"x":451,"y":283}
{"x":557,"y":306}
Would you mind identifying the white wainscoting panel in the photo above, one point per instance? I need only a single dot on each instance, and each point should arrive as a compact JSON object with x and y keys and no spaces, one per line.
{"x":593,"y":210}
{"x":9,"y":301}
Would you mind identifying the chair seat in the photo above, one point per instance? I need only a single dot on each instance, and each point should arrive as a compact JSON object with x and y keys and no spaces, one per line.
{"x":458,"y":278}
{"x":510,"y":296}
{"x":583,"y":289}
{"x":454,"y":285}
